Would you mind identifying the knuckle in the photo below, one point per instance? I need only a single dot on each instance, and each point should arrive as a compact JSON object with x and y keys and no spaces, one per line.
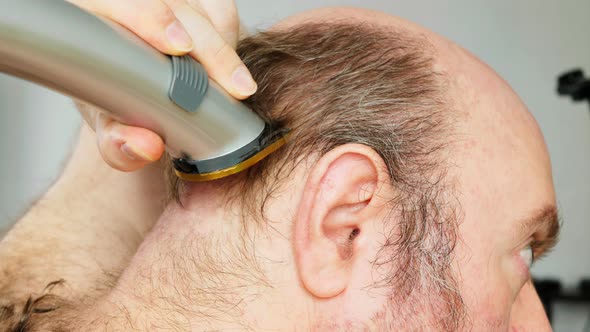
{"x":223,"y":51}
{"x":228,"y":26}
{"x":196,"y":4}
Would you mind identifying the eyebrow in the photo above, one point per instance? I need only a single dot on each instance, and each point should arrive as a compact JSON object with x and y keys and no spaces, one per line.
{"x":545,"y":226}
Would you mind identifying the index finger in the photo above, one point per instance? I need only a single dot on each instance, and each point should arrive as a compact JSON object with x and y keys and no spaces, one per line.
{"x":217,"y":56}
{"x":152,"y":20}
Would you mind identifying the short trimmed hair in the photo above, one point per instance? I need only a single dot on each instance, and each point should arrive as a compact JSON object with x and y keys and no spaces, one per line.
{"x":335,"y":83}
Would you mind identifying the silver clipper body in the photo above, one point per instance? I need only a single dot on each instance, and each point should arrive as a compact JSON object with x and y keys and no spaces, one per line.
{"x":208,"y":133}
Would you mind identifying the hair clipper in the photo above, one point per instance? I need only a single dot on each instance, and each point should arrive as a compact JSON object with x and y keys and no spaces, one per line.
{"x":209,"y":134}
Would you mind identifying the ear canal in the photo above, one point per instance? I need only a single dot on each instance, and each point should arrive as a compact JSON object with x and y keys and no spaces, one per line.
{"x":346,"y":250}
{"x":355,"y":232}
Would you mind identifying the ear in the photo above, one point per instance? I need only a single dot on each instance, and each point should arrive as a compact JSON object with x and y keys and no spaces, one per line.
{"x":336,"y":216}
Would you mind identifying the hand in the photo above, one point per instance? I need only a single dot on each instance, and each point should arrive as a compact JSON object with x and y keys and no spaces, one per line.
{"x":208,"y":30}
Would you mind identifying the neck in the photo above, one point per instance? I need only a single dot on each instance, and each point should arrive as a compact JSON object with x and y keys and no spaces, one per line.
{"x":199,"y":269}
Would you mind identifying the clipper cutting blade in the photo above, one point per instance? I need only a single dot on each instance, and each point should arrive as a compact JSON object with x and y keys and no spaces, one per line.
{"x":269,"y":141}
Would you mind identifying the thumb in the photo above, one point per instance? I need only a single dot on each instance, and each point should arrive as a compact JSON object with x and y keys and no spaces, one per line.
{"x":126,"y":148}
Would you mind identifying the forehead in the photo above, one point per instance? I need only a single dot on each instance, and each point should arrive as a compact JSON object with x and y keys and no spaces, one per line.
{"x":504,"y":170}
{"x":502,"y":165}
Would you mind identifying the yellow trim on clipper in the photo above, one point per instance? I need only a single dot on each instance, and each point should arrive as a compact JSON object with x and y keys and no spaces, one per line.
{"x":237,"y":168}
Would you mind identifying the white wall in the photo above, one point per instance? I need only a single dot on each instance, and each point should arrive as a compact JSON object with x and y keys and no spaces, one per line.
{"x":527,"y":42}
{"x":37,"y":129}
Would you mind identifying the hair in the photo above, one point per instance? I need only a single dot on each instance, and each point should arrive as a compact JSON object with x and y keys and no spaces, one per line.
{"x":21,"y":318}
{"x":337,"y":83}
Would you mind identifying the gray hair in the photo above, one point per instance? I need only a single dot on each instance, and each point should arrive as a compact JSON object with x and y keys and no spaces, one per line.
{"x":337,"y":83}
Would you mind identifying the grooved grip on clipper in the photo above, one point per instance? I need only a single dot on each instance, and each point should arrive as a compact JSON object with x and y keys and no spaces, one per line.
{"x":189,"y":83}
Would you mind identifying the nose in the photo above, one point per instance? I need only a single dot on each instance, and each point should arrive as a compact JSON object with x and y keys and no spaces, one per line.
{"x":528,"y":313}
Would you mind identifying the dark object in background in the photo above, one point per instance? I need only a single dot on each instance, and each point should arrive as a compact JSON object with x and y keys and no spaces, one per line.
{"x":550,"y":292}
{"x":574,"y":84}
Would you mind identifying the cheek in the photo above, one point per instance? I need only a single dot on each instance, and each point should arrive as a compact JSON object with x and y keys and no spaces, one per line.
{"x":491,"y":312}
{"x":486,"y":292}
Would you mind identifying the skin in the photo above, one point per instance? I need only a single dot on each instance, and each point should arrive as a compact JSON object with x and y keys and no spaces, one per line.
{"x":310,"y":268}
{"x":88,"y":239}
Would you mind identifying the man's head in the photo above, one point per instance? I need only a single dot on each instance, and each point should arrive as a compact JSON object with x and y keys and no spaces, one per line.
{"x":412,"y":186}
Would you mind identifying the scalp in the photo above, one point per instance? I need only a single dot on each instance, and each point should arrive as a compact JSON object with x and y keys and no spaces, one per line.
{"x":473,"y":86}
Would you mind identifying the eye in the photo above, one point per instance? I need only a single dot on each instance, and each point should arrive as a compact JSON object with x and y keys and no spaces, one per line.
{"x":528,"y":256}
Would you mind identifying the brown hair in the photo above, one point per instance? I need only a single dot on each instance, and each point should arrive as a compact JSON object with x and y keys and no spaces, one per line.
{"x":337,"y":83}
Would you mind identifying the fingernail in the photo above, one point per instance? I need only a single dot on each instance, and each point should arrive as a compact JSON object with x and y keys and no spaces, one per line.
{"x":134,"y":154}
{"x":243,"y":81}
{"x":178,"y":37}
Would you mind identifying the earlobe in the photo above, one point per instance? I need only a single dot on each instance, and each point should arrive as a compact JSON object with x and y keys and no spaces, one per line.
{"x":335,"y":212}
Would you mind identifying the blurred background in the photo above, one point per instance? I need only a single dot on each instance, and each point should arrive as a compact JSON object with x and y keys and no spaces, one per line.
{"x":528,"y":42}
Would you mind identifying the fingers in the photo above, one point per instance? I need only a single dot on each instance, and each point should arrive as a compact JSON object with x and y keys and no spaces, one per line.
{"x":152,"y":20}
{"x":211,"y":48}
{"x":223,"y":15}
{"x":208,"y":29}
{"x":126,"y":148}
{"x":123,"y":147}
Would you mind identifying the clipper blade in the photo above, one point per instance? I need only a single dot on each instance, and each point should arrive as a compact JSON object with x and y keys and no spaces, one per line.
{"x":269,"y":141}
